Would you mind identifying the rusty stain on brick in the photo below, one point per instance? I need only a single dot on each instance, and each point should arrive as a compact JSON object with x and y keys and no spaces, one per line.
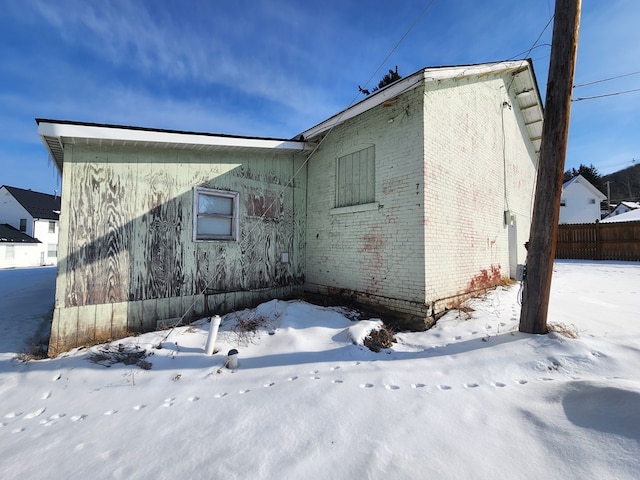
{"x":485,"y":279}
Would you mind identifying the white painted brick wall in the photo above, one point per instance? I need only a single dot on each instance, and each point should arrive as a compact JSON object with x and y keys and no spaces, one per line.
{"x":377,"y":252}
{"x":443,"y":182}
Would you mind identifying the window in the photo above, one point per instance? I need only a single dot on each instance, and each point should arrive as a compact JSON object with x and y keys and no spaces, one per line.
{"x":52,"y":227}
{"x":563,"y":203}
{"x":356,"y":178}
{"x":23,"y":224}
{"x":592,"y":201}
{"x":215,"y":214}
{"x":52,"y":250}
{"x":9,"y":251}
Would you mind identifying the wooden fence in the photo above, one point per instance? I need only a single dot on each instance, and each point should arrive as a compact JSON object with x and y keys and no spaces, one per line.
{"x":599,"y":241}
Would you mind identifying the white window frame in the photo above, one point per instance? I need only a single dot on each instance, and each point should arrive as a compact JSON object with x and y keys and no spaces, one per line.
{"x":234,"y":196}
{"x":52,"y":226}
{"x":52,"y":250}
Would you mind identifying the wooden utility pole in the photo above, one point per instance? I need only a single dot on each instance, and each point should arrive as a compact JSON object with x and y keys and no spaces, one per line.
{"x":555,"y":130}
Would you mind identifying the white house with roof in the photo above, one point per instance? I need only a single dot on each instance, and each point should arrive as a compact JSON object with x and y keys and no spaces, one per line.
{"x":371,"y":205}
{"x":624,"y":207}
{"x":580,"y":201}
{"x":17,"y":249}
{"x":35,"y":214}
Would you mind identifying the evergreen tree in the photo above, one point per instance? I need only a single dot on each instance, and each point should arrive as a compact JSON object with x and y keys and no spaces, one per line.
{"x":388,"y":79}
{"x":590,"y":173}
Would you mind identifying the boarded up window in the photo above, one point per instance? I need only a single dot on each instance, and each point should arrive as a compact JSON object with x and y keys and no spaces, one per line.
{"x":215,"y":214}
{"x":356,"y":178}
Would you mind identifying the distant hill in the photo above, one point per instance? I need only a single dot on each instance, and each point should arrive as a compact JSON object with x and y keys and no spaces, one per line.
{"x":624,"y":184}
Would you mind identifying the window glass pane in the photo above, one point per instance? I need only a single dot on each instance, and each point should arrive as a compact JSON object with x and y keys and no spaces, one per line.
{"x":215,"y":205}
{"x":52,"y":227}
{"x":214,"y":226}
{"x":23,"y":224}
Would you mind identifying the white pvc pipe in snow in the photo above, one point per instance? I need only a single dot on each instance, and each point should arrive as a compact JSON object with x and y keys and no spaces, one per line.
{"x":213,"y":333}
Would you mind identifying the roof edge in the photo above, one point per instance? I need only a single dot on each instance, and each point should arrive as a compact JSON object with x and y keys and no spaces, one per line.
{"x":428,"y":74}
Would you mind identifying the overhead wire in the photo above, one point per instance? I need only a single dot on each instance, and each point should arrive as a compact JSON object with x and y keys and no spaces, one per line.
{"x":606,"y":79}
{"x":580,"y":99}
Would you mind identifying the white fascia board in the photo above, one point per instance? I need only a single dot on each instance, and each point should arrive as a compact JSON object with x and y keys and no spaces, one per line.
{"x":69,"y":130}
{"x":425,"y":75}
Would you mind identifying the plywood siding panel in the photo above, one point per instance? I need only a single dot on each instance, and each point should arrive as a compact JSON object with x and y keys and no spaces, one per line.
{"x":136,"y":246}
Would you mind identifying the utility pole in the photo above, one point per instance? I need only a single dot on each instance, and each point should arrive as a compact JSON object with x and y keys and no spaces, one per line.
{"x":555,"y":131}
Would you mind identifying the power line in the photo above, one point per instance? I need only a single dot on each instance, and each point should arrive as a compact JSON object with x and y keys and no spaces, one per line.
{"x":605,"y":95}
{"x":606,"y":79}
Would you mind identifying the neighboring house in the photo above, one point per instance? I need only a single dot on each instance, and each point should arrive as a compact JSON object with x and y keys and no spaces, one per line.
{"x":36,"y":214}
{"x":624,"y":207}
{"x":628,"y":216}
{"x":412,"y":199}
{"x":580,"y":201}
{"x":17,"y":249}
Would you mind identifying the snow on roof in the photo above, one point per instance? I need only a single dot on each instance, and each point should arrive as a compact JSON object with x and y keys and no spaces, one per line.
{"x":630,"y":216}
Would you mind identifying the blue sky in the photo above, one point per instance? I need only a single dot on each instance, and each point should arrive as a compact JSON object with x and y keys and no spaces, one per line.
{"x":275,"y":68}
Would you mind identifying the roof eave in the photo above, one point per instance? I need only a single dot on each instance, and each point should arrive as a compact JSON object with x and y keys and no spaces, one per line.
{"x":433,"y":74}
{"x":54,"y":134}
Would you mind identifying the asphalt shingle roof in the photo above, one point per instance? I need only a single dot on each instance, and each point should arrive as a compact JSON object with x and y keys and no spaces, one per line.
{"x":10,"y":234}
{"x":39,"y":205}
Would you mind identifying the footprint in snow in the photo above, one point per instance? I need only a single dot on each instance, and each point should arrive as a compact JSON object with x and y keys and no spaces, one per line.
{"x":46,"y":395}
{"x":139,"y":407}
{"x":314,"y":377}
{"x":110,"y":412}
{"x":471,"y":385}
{"x":291,"y":379}
{"x":57,"y":377}
{"x":220,"y":395}
{"x":392,"y":387}
{"x":337,"y":367}
{"x":78,"y":418}
{"x":13,"y":414}
{"x":168,"y":402}
{"x":52,"y":420}
{"x":337,"y":381}
{"x":193,"y":398}
{"x":522,"y":382}
{"x":269,"y":384}
{"x":444,"y":387}
{"x":37,"y":413}
{"x":241,"y":392}
{"x":18,"y":430}
{"x":418,"y":385}
{"x":498,"y":384}
{"x":366,"y":385}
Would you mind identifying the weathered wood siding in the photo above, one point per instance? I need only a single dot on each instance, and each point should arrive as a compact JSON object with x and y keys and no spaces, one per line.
{"x":127,"y":257}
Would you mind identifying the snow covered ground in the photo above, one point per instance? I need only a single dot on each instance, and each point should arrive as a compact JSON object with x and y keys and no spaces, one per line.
{"x":470,"y":398}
